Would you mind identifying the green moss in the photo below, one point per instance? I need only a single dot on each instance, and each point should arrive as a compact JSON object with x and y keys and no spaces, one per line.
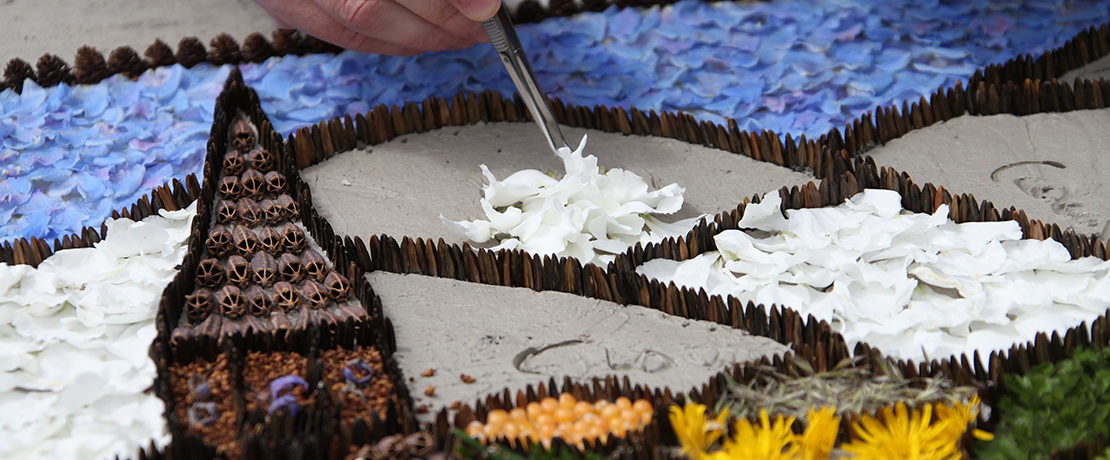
{"x":1052,"y":407}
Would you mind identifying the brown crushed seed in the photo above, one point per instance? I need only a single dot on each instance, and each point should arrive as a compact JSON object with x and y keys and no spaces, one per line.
{"x":466,"y":378}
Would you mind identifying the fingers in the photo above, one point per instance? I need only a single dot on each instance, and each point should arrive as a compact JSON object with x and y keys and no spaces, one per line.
{"x":389,"y":21}
{"x":450,"y":18}
{"x":319,"y":22}
{"x":476,"y":10}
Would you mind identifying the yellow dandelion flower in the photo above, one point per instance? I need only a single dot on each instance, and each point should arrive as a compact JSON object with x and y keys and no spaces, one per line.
{"x":819,"y":437}
{"x":903,"y":435}
{"x":962,"y":415}
{"x":694,"y":431}
{"x":769,"y":441}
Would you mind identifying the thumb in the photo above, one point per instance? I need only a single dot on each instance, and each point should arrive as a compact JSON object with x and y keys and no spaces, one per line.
{"x":477,"y":10}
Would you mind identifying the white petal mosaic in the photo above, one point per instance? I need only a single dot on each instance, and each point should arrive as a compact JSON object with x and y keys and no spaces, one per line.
{"x":590,"y":214}
{"x":916,"y":286}
{"x":74,"y":339}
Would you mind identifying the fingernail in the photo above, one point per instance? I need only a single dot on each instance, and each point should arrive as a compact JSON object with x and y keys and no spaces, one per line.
{"x":478,"y":10}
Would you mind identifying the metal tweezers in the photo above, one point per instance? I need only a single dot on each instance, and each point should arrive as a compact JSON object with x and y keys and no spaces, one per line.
{"x":503,"y":37}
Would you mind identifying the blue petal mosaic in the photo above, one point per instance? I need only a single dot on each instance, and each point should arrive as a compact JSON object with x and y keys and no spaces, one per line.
{"x":72,"y":155}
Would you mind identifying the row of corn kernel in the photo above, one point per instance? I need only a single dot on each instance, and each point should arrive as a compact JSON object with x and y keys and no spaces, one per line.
{"x":567,"y":418}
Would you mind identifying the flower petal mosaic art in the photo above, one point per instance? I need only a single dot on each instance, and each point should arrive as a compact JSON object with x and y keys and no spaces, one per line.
{"x":799,"y":67}
{"x":269,"y":340}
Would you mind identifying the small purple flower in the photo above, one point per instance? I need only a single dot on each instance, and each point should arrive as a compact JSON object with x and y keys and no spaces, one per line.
{"x":358,"y":364}
{"x":202,"y":413}
{"x":281,"y":393}
{"x":284,"y":385}
{"x":288,"y":402}
{"x":198,"y":388}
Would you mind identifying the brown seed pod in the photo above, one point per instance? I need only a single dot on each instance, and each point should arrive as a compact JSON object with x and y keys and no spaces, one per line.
{"x":223,"y":49}
{"x":190,"y":52}
{"x":89,"y":66}
{"x":225,"y":211}
{"x":219,"y":241}
{"x":271,"y":212}
{"x":241,"y":136}
{"x":126,"y":61}
{"x":258,"y":303}
{"x":249,"y":212}
{"x":314,"y":265}
{"x":338,"y":287}
{"x":264,"y":268}
{"x":234,"y":163}
{"x":199,"y":304}
{"x":286,"y":296}
{"x":210,"y":273}
{"x":261,"y":159}
{"x":391,"y":447}
{"x":292,"y":238}
{"x":51,"y":70}
{"x":289,"y":268}
{"x":159,"y":54}
{"x":419,"y":444}
{"x":288,"y":206}
{"x":229,"y":187}
{"x":314,"y":295}
{"x":275,"y":182}
{"x":269,"y":240}
{"x":253,"y":182}
{"x":256,"y":48}
{"x":230,"y":301}
{"x":246,"y":243}
{"x":238,"y":271}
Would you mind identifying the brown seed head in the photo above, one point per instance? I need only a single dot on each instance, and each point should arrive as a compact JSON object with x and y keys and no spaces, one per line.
{"x":286,"y":296}
{"x":238,"y":271}
{"x":258,"y":303}
{"x":51,"y":70}
{"x":292,"y":211}
{"x":190,"y":52}
{"x":210,"y":273}
{"x":246,"y":243}
{"x":339,"y":289}
{"x":199,"y":304}
{"x":254,"y":183}
{"x":314,"y":265}
{"x":275,"y":182}
{"x":289,"y":268}
{"x":226,"y":211}
{"x":159,"y":54}
{"x":126,"y":61}
{"x":261,"y":159}
{"x":269,"y":240}
{"x":264,"y":268}
{"x":230,"y":301}
{"x":219,"y":242}
{"x":292,"y":238}
{"x":241,"y":137}
{"x":229,"y":188}
{"x":234,"y":163}
{"x":314,"y":295}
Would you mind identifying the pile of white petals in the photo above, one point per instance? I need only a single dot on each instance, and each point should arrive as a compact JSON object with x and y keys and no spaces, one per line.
{"x":588,"y":215}
{"x":916,"y":286}
{"x":74,"y":339}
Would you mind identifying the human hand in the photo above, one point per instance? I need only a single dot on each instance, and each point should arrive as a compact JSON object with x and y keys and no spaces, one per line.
{"x":395,"y":27}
